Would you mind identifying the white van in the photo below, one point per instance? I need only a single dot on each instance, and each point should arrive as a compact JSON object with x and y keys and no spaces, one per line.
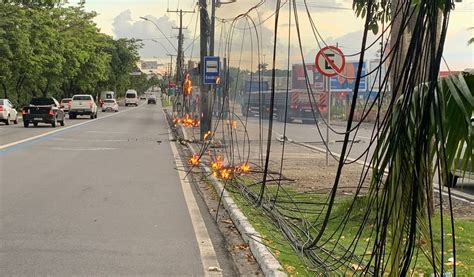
{"x":131,"y":97}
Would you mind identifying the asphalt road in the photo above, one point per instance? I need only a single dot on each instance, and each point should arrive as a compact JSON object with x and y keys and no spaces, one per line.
{"x":101,"y":198}
{"x":308,"y":134}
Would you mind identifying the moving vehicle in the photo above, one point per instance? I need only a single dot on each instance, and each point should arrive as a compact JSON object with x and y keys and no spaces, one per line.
{"x":8,"y":112}
{"x":43,"y":110}
{"x":107,"y":95}
{"x":151,"y":99}
{"x":110,"y":105}
{"x":143,"y":96}
{"x":82,"y":104}
{"x":131,"y":97}
{"x":65,"y":104}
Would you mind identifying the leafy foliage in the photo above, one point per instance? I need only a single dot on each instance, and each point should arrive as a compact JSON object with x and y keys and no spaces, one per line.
{"x":381,"y":10}
{"x":421,"y":142}
{"x":52,"y":50}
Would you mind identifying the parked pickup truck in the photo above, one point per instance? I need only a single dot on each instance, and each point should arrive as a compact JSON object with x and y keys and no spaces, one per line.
{"x":43,"y":110}
{"x":82,"y":104}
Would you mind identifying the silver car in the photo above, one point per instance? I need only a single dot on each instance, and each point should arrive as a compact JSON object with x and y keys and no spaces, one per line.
{"x":8,"y":113}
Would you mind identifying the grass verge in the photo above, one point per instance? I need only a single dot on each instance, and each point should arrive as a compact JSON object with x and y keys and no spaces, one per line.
{"x":295,"y":265}
{"x":165,"y":101}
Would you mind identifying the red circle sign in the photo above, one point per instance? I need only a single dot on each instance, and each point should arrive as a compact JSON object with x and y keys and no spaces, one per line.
{"x":330,"y":61}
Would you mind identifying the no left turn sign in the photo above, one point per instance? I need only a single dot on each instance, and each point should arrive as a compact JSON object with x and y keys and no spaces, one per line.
{"x":330,"y":61}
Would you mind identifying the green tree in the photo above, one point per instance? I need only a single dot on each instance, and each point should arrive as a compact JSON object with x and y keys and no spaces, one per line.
{"x":49,"y":49}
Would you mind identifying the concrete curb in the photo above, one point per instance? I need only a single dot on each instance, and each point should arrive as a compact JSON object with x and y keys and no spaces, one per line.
{"x":268,"y":263}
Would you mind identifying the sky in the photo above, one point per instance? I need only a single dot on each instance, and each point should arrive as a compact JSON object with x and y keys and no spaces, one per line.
{"x":334,"y":20}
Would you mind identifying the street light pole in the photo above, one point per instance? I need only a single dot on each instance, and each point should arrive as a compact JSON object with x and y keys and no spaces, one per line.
{"x":158,"y":28}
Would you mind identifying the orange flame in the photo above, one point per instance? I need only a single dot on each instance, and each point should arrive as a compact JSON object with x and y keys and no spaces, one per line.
{"x":187,"y":121}
{"x":226,"y":173}
{"x":244,"y":168}
{"x":217,"y":163}
{"x":194,"y":160}
{"x":206,"y":135}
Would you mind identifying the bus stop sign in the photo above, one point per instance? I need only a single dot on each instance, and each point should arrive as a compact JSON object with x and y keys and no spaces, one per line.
{"x":211,"y":69}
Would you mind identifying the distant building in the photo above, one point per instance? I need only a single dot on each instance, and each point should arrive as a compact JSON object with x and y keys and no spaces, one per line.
{"x":152,"y":67}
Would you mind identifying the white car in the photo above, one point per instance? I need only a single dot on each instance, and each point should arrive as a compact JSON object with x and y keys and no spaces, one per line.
{"x":82,"y":104}
{"x":8,"y":112}
{"x":110,"y":105}
{"x":131,"y":97}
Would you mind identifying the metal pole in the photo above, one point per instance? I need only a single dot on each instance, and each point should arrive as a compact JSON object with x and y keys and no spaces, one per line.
{"x":224,"y":91}
{"x":329,"y":119}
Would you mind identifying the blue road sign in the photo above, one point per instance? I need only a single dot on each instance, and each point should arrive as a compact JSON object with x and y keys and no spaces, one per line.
{"x":211,"y":69}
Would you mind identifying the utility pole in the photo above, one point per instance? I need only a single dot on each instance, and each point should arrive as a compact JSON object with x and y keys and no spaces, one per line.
{"x":180,"y":57}
{"x":213,"y":26}
{"x":170,"y":77}
{"x":205,"y":111}
{"x":180,"y":54}
{"x":171,"y":67}
{"x":213,"y":89}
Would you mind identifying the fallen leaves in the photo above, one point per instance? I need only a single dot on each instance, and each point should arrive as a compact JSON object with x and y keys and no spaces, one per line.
{"x":227,"y":221}
{"x":214,"y":269}
{"x":242,"y":246}
{"x":290,"y":269}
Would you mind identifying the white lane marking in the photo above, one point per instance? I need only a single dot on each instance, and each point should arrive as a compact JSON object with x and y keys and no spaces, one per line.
{"x":90,"y":140}
{"x":82,"y":149}
{"x":206,"y":249}
{"x":61,"y":129}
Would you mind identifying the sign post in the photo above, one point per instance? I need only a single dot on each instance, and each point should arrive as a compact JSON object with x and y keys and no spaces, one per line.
{"x":329,"y":61}
{"x":212,"y":70}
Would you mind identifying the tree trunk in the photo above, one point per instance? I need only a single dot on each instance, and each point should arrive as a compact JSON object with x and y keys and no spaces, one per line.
{"x":45,"y":91}
{"x":5,"y":91}
{"x":399,"y":59}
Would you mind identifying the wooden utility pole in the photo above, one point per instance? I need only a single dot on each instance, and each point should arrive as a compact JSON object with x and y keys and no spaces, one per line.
{"x":205,"y":109}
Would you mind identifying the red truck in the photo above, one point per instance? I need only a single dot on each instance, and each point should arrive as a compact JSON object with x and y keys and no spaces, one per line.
{"x":256,"y":97}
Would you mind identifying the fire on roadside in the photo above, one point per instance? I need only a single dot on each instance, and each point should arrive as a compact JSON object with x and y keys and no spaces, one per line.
{"x":217,"y":163}
{"x":207,"y":134}
{"x":187,"y":121}
{"x":243,"y":168}
{"x":194,"y":160}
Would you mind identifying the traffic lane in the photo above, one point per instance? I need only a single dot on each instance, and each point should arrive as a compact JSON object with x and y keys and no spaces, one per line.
{"x":100,"y":199}
{"x":309,"y":134}
{"x":12,"y":133}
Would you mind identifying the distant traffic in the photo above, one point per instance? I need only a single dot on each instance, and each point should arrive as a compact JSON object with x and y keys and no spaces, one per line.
{"x":50,"y":111}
